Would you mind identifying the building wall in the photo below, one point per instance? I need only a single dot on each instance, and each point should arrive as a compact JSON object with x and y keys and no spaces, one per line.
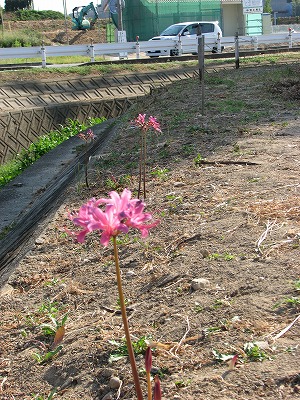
{"x":233,"y":19}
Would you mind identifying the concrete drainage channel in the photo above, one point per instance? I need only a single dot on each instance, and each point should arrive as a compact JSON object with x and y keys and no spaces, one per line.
{"x":29,"y":109}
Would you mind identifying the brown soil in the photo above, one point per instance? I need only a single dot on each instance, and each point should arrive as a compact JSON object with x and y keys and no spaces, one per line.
{"x":57,"y":32}
{"x":225,"y":186}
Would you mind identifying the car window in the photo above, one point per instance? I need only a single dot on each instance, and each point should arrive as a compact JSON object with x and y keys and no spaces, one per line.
{"x":172,"y":30}
{"x":207,"y":28}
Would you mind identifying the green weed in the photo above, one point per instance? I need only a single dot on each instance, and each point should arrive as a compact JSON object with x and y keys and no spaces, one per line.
{"x":198,"y":160}
{"x":46,"y":397}
{"x":139,"y":347}
{"x":254,"y":353}
{"x":161,"y":173}
{"x":43,"y":358}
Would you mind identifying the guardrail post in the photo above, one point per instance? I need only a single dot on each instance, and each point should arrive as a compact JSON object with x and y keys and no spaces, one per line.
{"x":219,"y":48}
{"x":137,"y":48}
{"x":290,"y":38}
{"x":237,"y":56}
{"x":255,"y":41}
{"x":178,"y":46}
{"x":201,"y":64}
{"x":44,"y":59}
{"x":92,"y":52}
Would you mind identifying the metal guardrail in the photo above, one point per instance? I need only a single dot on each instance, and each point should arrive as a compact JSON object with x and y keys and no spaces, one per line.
{"x":290,"y":39}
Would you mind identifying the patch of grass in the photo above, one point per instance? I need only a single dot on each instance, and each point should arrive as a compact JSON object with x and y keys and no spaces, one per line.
{"x":218,"y":80}
{"x":119,"y":184}
{"x":43,"y":145}
{"x":226,"y":256}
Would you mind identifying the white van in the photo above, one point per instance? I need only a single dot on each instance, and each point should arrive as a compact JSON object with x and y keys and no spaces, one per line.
{"x":188,"y":34}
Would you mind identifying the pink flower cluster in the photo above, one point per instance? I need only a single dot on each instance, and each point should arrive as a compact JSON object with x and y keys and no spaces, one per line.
{"x":86,"y":136}
{"x":142,"y":123}
{"x":120,"y":213}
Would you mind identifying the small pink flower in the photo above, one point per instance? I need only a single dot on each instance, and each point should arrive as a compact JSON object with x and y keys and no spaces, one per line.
{"x":86,"y":136}
{"x":152,"y":122}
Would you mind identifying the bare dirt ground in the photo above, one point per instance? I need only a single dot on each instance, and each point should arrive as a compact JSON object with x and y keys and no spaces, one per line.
{"x":225,"y":186}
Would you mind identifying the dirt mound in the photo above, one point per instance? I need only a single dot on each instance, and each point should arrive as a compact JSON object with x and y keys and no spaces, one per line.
{"x":59,"y":31}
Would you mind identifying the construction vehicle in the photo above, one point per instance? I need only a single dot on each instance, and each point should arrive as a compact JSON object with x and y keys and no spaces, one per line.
{"x":84,"y":17}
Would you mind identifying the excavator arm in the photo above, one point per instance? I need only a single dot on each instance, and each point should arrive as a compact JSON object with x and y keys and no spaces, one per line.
{"x":80,"y":19}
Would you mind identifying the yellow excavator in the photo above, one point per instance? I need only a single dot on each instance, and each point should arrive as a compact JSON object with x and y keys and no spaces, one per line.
{"x":84,"y":17}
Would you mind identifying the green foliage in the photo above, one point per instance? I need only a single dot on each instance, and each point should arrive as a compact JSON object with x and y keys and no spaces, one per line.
{"x":43,"y":145}
{"x":33,"y":15}
{"x":297,"y":284}
{"x":198,"y":160}
{"x":118,"y":184}
{"x":226,"y":256}
{"x":220,"y":357}
{"x":254,"y":353}
{"x":43,"y":358}
{"x":24,"y":38}
{"x":51,"y":329}
{"x":160,"y":173}
{"x":47,"y":397}
{"x":139,"y":347}
{"x":267,"y":6}
{"x":13,"y":5}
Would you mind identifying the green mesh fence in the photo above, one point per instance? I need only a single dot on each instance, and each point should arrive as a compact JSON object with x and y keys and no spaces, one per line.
{"x":147,"y":18}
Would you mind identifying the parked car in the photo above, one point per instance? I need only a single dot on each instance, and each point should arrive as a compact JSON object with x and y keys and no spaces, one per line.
{"x":188,"y":35}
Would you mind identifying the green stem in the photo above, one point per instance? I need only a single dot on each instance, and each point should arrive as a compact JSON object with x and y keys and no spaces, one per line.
{"x":125,"y":323}
{"x":144,"y":171}
{"x":140,"y":168}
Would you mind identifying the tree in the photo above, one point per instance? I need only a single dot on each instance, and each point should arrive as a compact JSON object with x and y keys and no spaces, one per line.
{"x":14,"y":5}
{"x":267,"y":7}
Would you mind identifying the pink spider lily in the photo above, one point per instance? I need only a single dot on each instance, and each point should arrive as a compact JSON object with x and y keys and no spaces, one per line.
{"x":144,"y":125}
{"x":86,"y":136}
{"x":120,"y":213}
{"x":152,"y":122}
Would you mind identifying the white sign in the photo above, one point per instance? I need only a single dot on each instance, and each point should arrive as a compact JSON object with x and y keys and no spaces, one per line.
{"x":253,"y":6}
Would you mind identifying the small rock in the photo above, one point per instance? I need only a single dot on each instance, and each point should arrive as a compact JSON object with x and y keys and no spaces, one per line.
{"x":205,"y":253}
{"x":6,"y":289}
{"x":199,"y":283}
{"x":107,"y":372}
{"x":108,"y":396}
{"x":178,"y":184}
{"x":130,"y":274}
{"x":39,"y":241}
{"x":115,"y":382}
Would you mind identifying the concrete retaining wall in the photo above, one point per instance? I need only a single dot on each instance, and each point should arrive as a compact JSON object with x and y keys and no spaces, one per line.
{"x":18,"y":129}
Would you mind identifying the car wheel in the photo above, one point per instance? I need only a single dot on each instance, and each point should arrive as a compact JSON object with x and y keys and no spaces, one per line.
{"x":173,"y":53}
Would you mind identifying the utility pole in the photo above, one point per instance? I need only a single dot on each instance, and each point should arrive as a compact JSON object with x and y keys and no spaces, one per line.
{"x":120,"y":16}
{"x":66,"y":23}
{"x":2,"y":22}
